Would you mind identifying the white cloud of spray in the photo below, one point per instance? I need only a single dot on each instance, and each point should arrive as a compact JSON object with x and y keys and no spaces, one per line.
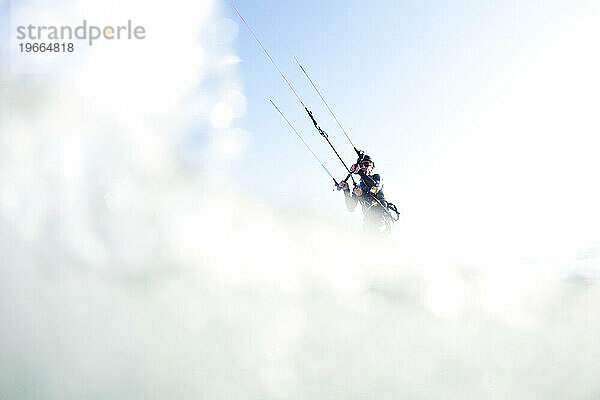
{"x":126,"y":275}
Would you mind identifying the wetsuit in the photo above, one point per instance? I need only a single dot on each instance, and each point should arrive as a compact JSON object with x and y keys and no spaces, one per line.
{"x":376,"y":218}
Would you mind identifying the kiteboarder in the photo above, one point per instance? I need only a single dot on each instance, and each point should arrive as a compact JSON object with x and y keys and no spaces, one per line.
{"x":369,"y":193}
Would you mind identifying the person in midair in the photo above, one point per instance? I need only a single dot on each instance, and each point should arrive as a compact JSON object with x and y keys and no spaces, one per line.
{"x":369,"y":193}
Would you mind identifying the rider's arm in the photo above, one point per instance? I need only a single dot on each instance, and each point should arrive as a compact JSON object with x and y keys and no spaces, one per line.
{"x":351,"y":200}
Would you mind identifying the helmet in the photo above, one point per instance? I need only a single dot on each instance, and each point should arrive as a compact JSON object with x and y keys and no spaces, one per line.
{"x":365,"y":158}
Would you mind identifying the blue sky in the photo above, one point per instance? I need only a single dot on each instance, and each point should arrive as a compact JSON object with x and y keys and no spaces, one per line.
{"x":470,"y":108}
{"x":387,"y":71}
